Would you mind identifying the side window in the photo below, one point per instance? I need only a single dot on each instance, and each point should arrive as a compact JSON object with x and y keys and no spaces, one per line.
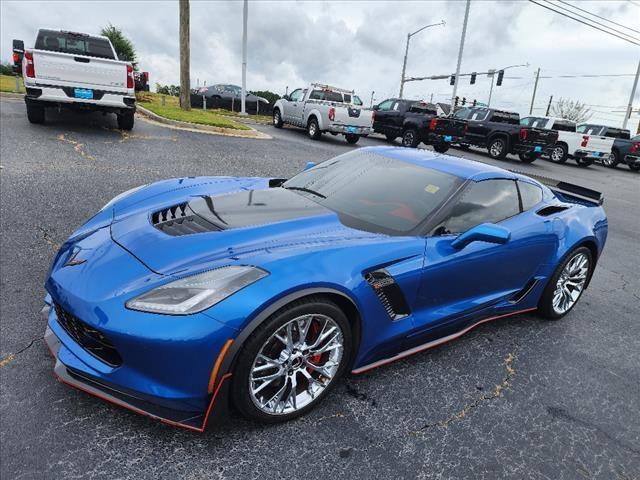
{"x":396,"y":106}
{"x":581,"y":128}
{"x":356,"y":100}
{"x":530,"y":194}
{"x":488,"y":201}
{"x":386,"y":105}
{"x":316,"y":95}
{"x":296,"y":95}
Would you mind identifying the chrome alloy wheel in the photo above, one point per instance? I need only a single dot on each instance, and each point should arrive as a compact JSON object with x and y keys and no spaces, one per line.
{"x":296,"y":364}
{"x":276,"y":118}
{"x":408,"y":138}
{"x":556,"y":154}
{"x":496,"y":148}
{"x":570,"y":283}
{"x":312,"y":129}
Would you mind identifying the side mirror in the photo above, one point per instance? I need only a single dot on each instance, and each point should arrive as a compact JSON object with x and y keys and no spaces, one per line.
{"x":376,"y":107}
{"x":485,"y":232}
{"x":309,"y":165}
{"x":286,"y":97}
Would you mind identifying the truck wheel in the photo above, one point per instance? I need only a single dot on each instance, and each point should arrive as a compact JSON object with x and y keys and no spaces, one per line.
{"x":584,"y":162}
{"x":391,"y":137}
{"x":528,"y":157}
{"x":351,"y":138}
{"x":410,"y":138}
{"x":35,"y":113}
{"x":125,"y":121}
{"x":634,"y":167}
{"x":441,"y":147}
{"x":612,"y":160}
{"x":277,"y":118}
{"x":559,"y":153}
{"x":313,"y":130}
{"x":497,"y":148}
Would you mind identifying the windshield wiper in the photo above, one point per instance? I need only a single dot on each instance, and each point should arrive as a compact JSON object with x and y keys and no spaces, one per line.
{"x":307,"y":190}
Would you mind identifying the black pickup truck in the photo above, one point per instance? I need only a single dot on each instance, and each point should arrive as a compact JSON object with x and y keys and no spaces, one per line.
{"x":625,"y":149}
{"x":500,"y":133}
{"x":416,"y":122}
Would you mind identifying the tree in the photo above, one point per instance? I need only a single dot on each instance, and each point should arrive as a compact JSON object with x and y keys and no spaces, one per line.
{"x":124,"y":47}
{"x":185,"y":88}
{"x":270,"y":96}
{"x":571,"y":110}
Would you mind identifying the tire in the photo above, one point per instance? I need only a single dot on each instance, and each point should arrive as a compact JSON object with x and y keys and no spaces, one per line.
{"x":612,"y":160}
{"x":634,"y":168}
{"x":391,"y":137}
{"x":410,"y":138}
{"x":35,"y":113}
{"x":546,"y":306}
{"x":313,"y":129}
{"x":441,"y":147}
{"x":125,"y":120}
{"x":584,"y":162}
{"x":528,"y":157}
{"x":277,"y":118}
{"x":497,"y":148}
{"x":559,"y":154}
{"x":245,"y":389}
{"x":351,"y":138}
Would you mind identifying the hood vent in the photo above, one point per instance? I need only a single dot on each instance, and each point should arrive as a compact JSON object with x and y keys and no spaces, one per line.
{"x":388,"y":293}
{"x":180,"y":220}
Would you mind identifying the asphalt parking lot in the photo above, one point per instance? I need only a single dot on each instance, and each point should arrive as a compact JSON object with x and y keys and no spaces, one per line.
{"x":519,"y":397}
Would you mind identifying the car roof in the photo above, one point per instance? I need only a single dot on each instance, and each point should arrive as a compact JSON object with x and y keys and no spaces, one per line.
{"x":460,"y":167}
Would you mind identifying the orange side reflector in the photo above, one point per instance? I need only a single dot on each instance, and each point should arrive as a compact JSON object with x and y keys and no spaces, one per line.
{"x":216,"y":366}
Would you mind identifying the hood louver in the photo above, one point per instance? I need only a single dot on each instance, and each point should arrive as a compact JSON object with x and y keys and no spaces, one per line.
{"x":389,"y":293}
{"x":180,"y":220}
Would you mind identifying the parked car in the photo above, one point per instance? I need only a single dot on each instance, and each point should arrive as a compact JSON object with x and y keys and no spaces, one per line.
{"x":224,"y":95}
{"x":78,"y":71}
{"x":500,"y":133}
{"x":182,"y":296}
{"x":582,"y":147}
{"x":321,"y":108}
{"x":416,"y":122}
{"x":625,"y":149}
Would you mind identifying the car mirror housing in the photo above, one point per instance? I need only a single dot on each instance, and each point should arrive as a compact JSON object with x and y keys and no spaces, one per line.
{"x":376,"y":107}
{"x":286,"y":97}
{"x":485,"y":232}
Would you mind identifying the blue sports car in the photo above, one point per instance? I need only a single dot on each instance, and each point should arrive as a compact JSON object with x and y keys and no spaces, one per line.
{"x":260,"y":293}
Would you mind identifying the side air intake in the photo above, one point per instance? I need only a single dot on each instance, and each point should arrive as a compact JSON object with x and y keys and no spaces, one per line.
{"x":389,"y":293}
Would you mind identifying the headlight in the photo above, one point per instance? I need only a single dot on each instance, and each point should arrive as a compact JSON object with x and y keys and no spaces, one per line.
{"x":122,"y":195}
{"x":197,"y":292}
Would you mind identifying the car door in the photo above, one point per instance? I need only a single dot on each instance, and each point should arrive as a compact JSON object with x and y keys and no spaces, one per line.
{"x":477,"y":125}
{"x":293,"y":108}
{"x":459,"y":286}
{"x":383,"y":119}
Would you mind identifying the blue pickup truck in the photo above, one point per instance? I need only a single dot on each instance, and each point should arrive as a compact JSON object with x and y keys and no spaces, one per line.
{"x":626,"y":149}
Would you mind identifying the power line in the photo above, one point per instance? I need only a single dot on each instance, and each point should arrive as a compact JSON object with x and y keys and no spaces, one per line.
{"x":585,"y":75}
{"x":598,"y":16}
{"x":583,"y":22}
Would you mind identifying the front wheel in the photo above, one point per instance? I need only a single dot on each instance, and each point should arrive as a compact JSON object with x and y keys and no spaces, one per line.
{"x":634,"y":168}
{"x":559,"y":154}
{"x":277,"y":118}
{"x":612,"y":160}
{"x":527,"y":157}
{"x":351,"y":138}
{"x":35,"y":113}
{"x":125,"y":120}
{"x":566,"y":285}
{"x":291,"y":362}
{"x":313,"y":130}
{"x":441,"y":147}
{"x":410,"y":138}
{"x":498,"y":148}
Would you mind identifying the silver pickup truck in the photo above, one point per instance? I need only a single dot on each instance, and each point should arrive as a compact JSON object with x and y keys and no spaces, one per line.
{"x":79,"y":71}
{"x":321,"y":108}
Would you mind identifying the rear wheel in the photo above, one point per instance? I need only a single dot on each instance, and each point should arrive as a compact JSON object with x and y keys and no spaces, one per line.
{"x":612,"y":160}
{"x":125,"y":120}
{"x":277,"y":118}
{"x":529,"y":157}
{"x":497,"y":148}
{"x":35,"y":113}
{"x":559,"y":153}
{"x":441,"y":147}
{"x":291,"y":362}
{"x":391,"y":137}
{"x":566,"y":285}
{"x":410,"y":138}
{"x":351,"y":138}
{"x":313,"y":130}
{"x":634,"y":168}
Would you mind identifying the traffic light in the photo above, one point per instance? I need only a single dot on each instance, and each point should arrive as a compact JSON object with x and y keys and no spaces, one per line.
{"x":452,"y":80}
{"x":456,"y":100}
{"x":473,"y":78}
{"x":464,"y":100}
{"x":500,"y":76}
{"x":474,"y":102}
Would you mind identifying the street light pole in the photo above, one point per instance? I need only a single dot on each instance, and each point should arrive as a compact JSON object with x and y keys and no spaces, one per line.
{"x":535,"y":87}
{"x":633,"y":94}
{"x":244,"y":57}
{"x":493,"y":77}
{"x":406,"y":53}
{"x":464,"y":32}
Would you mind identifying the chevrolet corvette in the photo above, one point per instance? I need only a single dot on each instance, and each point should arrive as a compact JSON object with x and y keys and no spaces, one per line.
{"x":182,"y":297}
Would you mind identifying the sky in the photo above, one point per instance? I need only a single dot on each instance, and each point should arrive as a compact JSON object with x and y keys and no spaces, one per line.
{"x":360,"y":45}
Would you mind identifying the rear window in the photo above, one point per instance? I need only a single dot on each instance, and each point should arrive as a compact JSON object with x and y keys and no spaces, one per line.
{"x":530,"y":194}
{"x":327,"y":95}
{"x":74,"y":43}
{"x":617,"y":133}
{"x":534,"y":122}
{"x":477,"y":114}
{"x":560,"y":126}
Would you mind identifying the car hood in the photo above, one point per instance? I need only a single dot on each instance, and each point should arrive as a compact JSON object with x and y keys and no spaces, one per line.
{"x":205,"y":226}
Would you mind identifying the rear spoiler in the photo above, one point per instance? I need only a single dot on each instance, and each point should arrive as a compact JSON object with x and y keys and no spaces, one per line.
{"x":570,"y":188}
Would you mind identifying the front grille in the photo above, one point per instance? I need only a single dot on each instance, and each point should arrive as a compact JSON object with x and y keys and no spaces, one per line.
{"x":180,"y":220}
{"x":389,"y":293}
{"x":90,"y":339}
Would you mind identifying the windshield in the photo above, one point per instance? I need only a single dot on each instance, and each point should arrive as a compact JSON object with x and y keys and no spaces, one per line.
{"x":362,"y":187}
{"x":74,"y":43}
{"x":356,"y":100}
{"x":535,"y":122}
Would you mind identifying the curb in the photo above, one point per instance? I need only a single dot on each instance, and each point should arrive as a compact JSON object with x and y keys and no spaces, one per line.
{"x":188,"y":126}
{"x":11,"y":95}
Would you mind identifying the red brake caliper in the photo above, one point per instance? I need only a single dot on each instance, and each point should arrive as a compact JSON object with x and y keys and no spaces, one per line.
{"x":314,"y":330}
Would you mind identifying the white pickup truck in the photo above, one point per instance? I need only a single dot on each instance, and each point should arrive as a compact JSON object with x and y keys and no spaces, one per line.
{"x":583,"y":148}
{"x":75,"y":70}
{"x":321,"y":108}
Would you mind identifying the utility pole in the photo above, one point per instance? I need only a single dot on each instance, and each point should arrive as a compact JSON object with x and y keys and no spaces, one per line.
{"x":535,"y":87}
{"x":406,"y":53}
{"x":185,"y":87}
{"x":633,"y":94}
{"x":464,"y":32}
{"x":245,"y":14}
{"x":371,"y":104}
{"x":549,"y":106}
{"x":492,"y":73}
